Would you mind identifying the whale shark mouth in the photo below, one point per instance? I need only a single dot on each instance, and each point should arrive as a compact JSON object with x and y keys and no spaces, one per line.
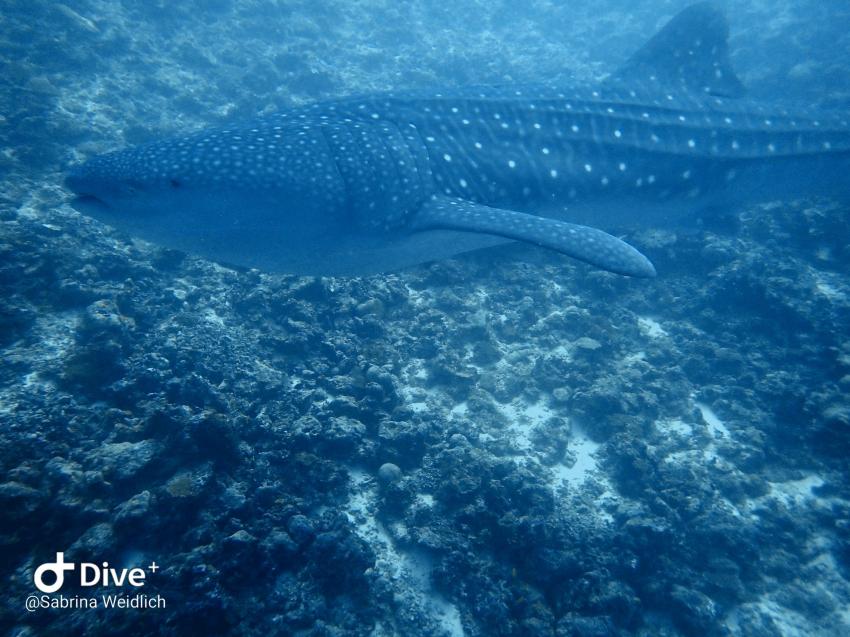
{"x":94,"y":207}
{"x":90,"y":205}
{"x":83,"y":200}
{"x":88,"y":200}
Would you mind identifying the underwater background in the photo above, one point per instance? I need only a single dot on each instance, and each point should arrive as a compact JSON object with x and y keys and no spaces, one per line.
{"x":504,"y":443}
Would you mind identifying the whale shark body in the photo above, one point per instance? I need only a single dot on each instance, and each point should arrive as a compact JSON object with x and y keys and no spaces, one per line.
{"x":377,"y":183}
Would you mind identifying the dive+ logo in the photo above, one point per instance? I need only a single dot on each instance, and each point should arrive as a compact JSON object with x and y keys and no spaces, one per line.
{"x":90,"y":574}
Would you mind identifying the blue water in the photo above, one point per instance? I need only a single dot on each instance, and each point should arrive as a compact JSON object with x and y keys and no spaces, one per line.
{"x":507,"y":442}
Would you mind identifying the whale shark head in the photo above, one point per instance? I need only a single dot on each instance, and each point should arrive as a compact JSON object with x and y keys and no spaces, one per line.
{"x":183,"y":192}
{"x":120,"y":189}
{"x":288,"y":161}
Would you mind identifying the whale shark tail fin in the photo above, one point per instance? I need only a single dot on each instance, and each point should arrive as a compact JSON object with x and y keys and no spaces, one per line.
{"x":691,"y":52}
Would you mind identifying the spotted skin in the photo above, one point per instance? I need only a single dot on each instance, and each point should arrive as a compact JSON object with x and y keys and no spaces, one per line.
{"x":381,"y":182}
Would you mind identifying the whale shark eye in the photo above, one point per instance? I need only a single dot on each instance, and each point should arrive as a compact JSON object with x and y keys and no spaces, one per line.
{"x":174,"y":183}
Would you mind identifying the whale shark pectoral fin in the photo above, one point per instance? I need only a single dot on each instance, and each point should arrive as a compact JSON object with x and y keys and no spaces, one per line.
{"x":691,"y":52}
{"x":580,"y":242}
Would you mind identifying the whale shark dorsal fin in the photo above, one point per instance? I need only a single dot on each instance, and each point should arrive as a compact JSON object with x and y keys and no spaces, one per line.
{"x":691,"y":52}
{"x":579,"y":242}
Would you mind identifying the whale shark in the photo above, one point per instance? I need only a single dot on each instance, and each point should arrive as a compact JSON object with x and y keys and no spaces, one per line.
{"x":380,"y":182}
